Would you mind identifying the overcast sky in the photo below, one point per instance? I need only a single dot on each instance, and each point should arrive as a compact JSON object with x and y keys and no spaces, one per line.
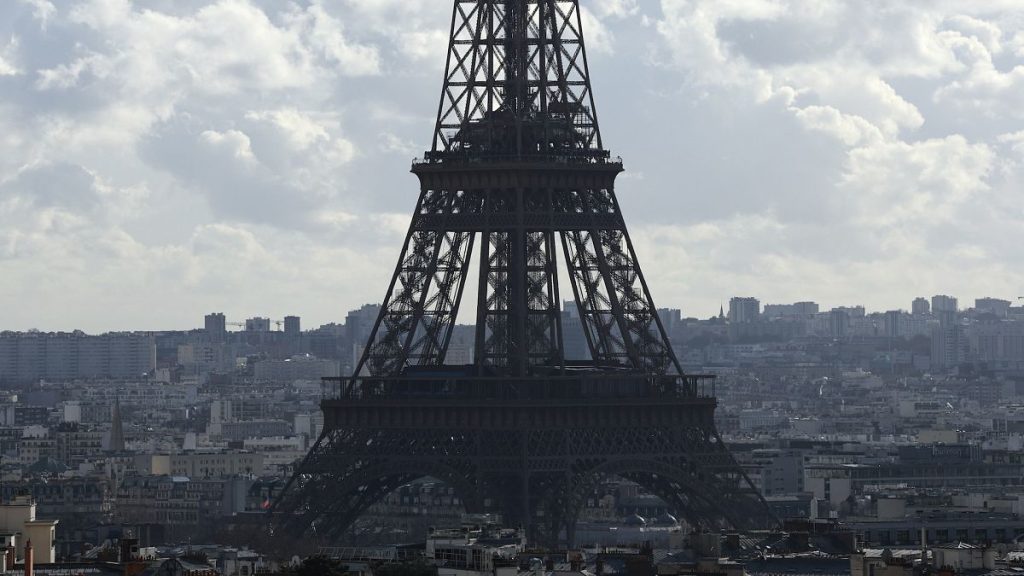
{"x":161,"y":159}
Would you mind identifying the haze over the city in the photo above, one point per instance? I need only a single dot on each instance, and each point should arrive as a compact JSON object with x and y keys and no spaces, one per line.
{"x":163,"y":159}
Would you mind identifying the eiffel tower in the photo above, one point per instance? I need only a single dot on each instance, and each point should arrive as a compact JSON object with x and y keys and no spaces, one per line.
{"x":518,"y":174}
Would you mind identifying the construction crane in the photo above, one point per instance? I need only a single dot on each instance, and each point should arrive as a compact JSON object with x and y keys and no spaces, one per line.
{"x":278,"y":323}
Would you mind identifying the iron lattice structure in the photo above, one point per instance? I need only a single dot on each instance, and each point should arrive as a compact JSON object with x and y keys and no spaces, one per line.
{"x":518,"y":175}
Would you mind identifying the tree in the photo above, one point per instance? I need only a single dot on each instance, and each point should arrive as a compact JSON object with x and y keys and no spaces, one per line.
{"x":320,"y":566}
{"x":414,"y":568}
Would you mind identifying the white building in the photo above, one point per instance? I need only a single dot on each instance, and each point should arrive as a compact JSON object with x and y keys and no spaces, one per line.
{"x":66,"y":356}
{"x":19,"y":524}
{"x":475,"y":553}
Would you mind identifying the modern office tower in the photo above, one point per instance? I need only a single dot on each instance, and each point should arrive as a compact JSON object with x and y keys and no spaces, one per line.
{"x":893,"y":321}
{"x":994,"y":306}
{"x":839,"y":322}
{"x":744,"y":310}
{"x":920,"y":307}
{"x":257,"y":324}
{"x":359,"y":322}
{"x":942,"y":303}
{"x":806,"y":308}
{"x":946,"y":349}
{"x":292,"y":326}
{"x":216,"y":326}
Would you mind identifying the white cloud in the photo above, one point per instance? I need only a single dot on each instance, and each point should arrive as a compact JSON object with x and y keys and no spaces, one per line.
{"x":42,"y":10}
{"x":616,"y":8}
{"x":987,"y":33}
{"x":392,"y":143}
{"x":599,"y":38}
{"x":300,"y":130}
{"x":1017,"y":44}
{"x":851,"y":129}
{"x":223,"y":48}
{"x":231,"y":144}
{"x":1015,"y":140}
{"x":327,"y":35}
{"x":69,"y":75}
{"x":896,"y":185}
{"x":893,"y":84}
{"x":416,"y":29}
{"x":7,"y":55}
{"x":252,"y":155}
{"x":987,"y":91}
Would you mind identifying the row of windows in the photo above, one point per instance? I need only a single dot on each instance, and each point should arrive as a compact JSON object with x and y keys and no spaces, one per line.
{"x":942,"y":535}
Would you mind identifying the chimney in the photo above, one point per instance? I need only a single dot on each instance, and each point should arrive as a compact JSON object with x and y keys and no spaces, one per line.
{"x":575,"y":560}
{"x":29,"y":559}
{"x":129,"y":549}
{"x":9,"y":565}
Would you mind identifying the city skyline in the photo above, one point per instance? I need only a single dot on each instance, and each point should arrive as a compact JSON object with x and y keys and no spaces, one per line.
{"x":249,"y":321}
{"x":267,"y":171}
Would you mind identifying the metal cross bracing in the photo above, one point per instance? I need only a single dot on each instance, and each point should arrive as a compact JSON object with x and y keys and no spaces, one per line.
{"x":517,"y":180}
{"x":517,"y":82}
{"x":416,"y":321}
{"x":518,"y":317}
{"x":537,"y":475}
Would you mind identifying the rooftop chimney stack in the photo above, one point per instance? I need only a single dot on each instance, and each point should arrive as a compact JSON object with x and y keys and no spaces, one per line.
{"x":29,"y":559}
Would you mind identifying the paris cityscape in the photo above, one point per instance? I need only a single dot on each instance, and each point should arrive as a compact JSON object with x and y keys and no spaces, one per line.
{"x":780,"y":334}
{"x":860,"y":428}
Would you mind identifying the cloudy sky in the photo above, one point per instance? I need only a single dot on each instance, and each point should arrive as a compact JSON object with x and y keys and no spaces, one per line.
{"x":160,"y":159}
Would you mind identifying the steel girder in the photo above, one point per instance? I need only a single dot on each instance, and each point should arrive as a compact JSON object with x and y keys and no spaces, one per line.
{"x":538,"y":479}
{"x":518,"y":300}
{"x":518,"y":71}
{"x":419,"y":311}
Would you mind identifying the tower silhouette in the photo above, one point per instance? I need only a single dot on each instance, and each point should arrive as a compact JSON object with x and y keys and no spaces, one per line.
{"x":519,"y":175}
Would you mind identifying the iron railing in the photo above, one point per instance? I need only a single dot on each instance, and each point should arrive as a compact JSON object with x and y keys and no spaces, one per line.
{"x":495,"y":388}
{"x":563,"y":158}
{"x":371,"y":553}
